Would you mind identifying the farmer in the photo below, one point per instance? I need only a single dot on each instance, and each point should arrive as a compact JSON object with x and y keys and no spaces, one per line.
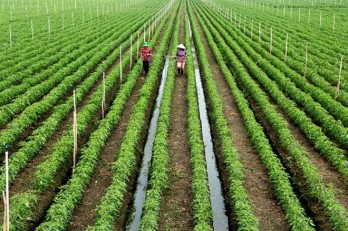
{"x":181,"y":58}
{"x":146,"y":56}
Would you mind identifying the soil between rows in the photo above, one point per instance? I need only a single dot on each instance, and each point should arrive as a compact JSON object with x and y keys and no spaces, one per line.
{"x":84,"y":214}
{"x":23,"y":183}
{"x":176,"y":211}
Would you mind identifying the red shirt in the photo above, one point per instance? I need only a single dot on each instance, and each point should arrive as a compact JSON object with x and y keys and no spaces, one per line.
{"x":146,"y":53}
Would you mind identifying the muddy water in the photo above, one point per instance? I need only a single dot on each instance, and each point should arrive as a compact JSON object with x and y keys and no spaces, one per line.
{"x":142,"y":182}
{"x":220,"y":220}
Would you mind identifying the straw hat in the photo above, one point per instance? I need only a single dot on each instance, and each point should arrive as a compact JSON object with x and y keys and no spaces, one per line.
{"x":181,"y":46}
{"x":146,"y":44}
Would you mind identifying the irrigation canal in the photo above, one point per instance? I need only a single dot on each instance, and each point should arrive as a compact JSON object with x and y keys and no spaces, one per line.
{"x":139,"y":198}
{"x":220,"y":220}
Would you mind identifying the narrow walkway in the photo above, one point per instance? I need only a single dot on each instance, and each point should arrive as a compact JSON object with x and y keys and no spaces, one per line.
{"x":176,"y":207}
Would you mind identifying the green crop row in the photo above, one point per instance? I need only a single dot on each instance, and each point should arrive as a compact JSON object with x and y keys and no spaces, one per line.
{"x":30,"y":78}
{"x":323,"y":193}
{"x":45,"y":172}
{"x":33,"y":112}
{"x":313,"y":132}
{"x":158,"y":176}
{"x":318,"y":50}
{"x":159,"y":167}
{"x":39,"y":136}
{"x":241,"y":204}
{"x":59,"y":214}
{"x":34,"y":58}
{"x":200,"y":186}
{"x":29,"y":73}
{"x":329,"y":40}
{"x":109,"y":208}
{"x":295,"y":213}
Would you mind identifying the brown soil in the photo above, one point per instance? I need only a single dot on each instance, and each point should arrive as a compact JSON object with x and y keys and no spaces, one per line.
{"x":328,"y":172}
{"x":84,"y":214}
{"x":22,"y":183}
{"x":257,"y":183}
{"x":176,"y":206}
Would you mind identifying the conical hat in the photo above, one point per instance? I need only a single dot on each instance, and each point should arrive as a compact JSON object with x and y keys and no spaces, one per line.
{"x":181,"y":46}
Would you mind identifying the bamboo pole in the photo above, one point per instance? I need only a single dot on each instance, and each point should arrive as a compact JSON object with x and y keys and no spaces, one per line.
{"x":138,"y":46}
{"x":131,"y":52}
{"x":74,"y":130}
{"x":309,"y":16}
{"x":259,"y":32}
{"x":245,"y":21}
{"x":334,"y":21}
{"x":10,"y":36}
{"x":306,"y":61}
{"x":49,"y":25}
{"x":251,"y":28}
{"x":320,"y":19}
{"x":4,"y":227}
{"x":270,"y":41}
{"x":32,"y":28}
{"x":7,"y":195}
{"x":339,"y":79}
{"x":103,"y":96}
{"x":286,"y":47}
{"x":120,"y":65}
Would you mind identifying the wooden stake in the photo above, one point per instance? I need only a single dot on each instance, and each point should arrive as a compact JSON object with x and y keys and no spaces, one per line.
{"x":306,"y":61}
{"x":62,"y":21}
{"x":309,"y":16}
{"x":259,"y":32}
{"x":131,"y":52}
{"x":299,"y":14}
{"x":144,"y":33}
{"x":74,"y":130}
{"x":245,"y":21}
{"x":339,"y":79}
{"x":7,"y":195}
{"x":149,"y":31}
{"x":32,"y":29}
{"x":334,"y":21}
{"x":286,"y":47}
{"x":103,"y":96}
{"x":138,"y":46}
{"x":240,"y":19}
{"x":10,"y":36}
{"x":4,"y":228}
{"x":120,"y":65}
{"x":320,"y":19}
{"x":251,"y":29}
{"x":270,"y":42}
{"x":49,"y":25}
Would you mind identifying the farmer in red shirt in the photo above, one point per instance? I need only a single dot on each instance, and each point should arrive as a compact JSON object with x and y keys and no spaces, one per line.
{"x":146,"y":56}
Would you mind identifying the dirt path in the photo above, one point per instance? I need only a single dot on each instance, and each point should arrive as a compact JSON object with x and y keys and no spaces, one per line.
{"x":265,"y":206}
{"x":176,"y":206}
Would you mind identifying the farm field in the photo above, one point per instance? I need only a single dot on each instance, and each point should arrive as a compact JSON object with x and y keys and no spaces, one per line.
{"x":253,"y":136}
